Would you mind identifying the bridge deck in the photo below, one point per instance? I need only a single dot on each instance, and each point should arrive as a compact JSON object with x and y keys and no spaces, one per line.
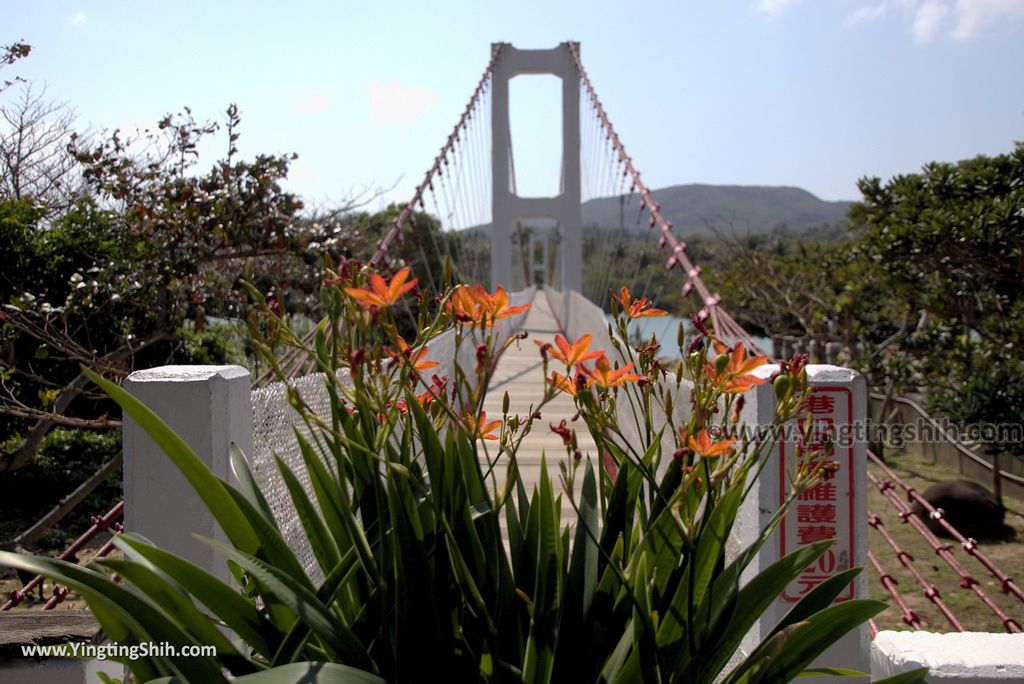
{"x":520,"y":373}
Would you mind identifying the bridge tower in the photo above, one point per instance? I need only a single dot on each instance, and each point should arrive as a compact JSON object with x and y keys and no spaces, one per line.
{"x":506,"y":206}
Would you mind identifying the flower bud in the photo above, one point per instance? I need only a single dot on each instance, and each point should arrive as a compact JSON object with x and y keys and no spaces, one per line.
{"x":505,"y":402}
{"x":721,"y":363}
{"x":737,"y":408}
{"x":783,"y":385}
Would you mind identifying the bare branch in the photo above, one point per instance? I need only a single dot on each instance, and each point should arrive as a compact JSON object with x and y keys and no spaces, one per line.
{"x":34,"y":159}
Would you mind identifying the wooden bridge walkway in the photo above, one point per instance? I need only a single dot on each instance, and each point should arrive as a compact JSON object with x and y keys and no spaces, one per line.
{"x":521,"y":373}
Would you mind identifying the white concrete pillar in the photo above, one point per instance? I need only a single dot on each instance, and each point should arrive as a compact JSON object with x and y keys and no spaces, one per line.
{"x":209,"y":407}
{"x":836,"y":508}
{"x":570,"y":219}
{"x":501,"y":186}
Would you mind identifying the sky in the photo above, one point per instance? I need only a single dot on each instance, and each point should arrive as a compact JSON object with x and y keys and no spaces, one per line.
{"x":807,"y":93}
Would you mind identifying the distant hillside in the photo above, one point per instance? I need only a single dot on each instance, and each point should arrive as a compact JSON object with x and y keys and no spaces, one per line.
{"x":739,"y":208}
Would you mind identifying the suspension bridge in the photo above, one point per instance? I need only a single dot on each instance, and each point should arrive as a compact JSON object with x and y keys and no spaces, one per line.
{"x":538,"y":248}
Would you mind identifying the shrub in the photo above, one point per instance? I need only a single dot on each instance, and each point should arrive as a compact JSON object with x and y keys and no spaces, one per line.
{"x":67,"y":457}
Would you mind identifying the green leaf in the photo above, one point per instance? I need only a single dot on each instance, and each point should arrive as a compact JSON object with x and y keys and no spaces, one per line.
{"x":119,"y":626}
{"x":223,"y":601}
{"x":335,"y":506}
{"x":175,"y":604}
{"x":585,"y":552}
{"x":247,"y":483}
{"x":418,"y":632}
{"x":759,"y":593}
{"x":712,"y":540}
{"x":273,"y":548}
{"x":303,"y":603}
{"x":326,"y":490}
{"x":539,"y":660}
{"x":320,"y":540}
{"x":291,"y":648}
{"x":818,"y":598}
{"x":149,"y":623}
{"x":695,"y":580}
{"x":831,"y":672}
{"x":806,"y":640}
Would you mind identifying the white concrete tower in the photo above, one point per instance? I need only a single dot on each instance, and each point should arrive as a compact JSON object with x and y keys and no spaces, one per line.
{"x":506,"y":206}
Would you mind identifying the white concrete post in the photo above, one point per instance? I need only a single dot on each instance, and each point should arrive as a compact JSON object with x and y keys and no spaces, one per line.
{"x":955,"y":657}
{"x":836,"y":508}
{"x":506,"y":206}
{"x":209,"y":407}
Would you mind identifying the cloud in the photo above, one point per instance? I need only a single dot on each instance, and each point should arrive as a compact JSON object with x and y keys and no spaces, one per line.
{"x":976,"y":17}
{"x":314,"y":104}
{"x":928,"y":20}
{"x":931,"y":19}
{"x":398,"y":106}
{"x":772,"y":6}
{"x":77,"y":19}
{"x":868,"y":13}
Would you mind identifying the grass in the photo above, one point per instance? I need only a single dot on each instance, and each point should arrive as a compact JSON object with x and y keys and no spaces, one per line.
{"x":965,"y":605}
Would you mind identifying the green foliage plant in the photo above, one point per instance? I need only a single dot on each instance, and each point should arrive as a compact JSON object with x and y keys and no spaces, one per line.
{"x":439,"y":563}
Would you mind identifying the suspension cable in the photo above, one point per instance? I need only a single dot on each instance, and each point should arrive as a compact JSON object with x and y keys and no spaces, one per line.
{"x":722,"y":321}
{"x":396,"y":227}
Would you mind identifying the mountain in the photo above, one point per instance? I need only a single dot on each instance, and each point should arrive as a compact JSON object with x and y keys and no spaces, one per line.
{"x":744,"y":209}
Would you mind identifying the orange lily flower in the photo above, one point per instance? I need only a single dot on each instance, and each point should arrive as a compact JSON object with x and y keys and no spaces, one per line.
{"x":462,"y":305}
{"x":638,"y":308}
{"x":414,"y":357}
{"x":496,"y":306}
{"x":435,"y":391}
{"x":570,"y":354}
{"x":736,"y":378}
{"x":470,"y":305}
{"x":424,"y":400}
{"x":742,"y":384}
{"x":481,"y":429}
{"x":382,"y":293}
{"x":607,"y":377}
{"x":570,"y":387}
{"x":704,"y":447}
{"x":740,"y":364}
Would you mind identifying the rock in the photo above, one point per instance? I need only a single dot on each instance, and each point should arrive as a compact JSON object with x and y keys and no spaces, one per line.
{"x":968,"y":507}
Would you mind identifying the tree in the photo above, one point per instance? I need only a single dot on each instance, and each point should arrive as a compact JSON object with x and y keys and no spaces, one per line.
{"x":9,"y":54}
{"x":951,"y":239}
{"x":950,"y":243}
{"x":110,"y":281}
{"x":35,"y":162}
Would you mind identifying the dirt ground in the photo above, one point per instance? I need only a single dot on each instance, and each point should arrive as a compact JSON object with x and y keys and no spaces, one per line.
{"x":965,"y":605}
